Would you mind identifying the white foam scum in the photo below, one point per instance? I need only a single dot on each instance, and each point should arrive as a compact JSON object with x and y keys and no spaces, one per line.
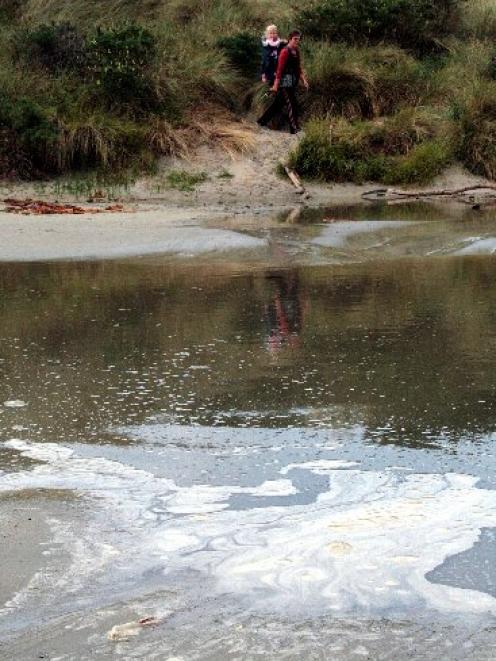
{"x":364,"y":546}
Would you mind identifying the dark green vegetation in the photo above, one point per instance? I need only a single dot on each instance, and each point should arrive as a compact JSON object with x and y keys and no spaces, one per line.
{"x":399,"y":88}
{"x":401,"y":149}
{"x":415,"y":24}
{"x":185,"y":181}
{"x":115,"y":85}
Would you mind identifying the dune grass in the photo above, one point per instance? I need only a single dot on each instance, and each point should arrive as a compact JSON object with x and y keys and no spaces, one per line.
{"x":91,"y":86}
{"x":405,"y":148}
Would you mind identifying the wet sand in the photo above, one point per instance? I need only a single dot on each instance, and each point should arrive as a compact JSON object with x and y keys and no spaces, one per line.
{"x":24,"y":531}
{"x":38,"y":238}
{"x":379,"y":231}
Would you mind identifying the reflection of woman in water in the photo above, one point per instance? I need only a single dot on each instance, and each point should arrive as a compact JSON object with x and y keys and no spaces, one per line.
{"x":284,"y":313}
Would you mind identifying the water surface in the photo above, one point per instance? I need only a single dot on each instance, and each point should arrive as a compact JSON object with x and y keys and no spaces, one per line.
{"x":286,"y":454}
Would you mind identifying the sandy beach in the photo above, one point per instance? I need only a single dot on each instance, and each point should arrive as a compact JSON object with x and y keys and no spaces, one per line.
{"x":154,"y":209}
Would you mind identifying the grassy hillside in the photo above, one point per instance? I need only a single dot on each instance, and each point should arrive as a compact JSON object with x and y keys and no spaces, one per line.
{"x":400,"y":88}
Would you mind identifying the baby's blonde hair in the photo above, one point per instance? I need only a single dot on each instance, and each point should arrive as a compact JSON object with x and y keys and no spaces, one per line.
{"x":269,"y":28}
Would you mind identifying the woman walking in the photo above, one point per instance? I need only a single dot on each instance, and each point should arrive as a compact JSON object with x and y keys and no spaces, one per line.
{"x":288,"y":75}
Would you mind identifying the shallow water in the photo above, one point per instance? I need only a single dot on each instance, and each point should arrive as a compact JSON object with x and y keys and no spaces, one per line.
{"x":285,"y":453}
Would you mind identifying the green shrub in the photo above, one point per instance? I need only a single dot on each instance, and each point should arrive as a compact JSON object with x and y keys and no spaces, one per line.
{"x":403,"y":149}
{"x":320,"y":155}
{"x":364,"y":82}
{"x":477,"y":122}
{"x":425,"y":162}
{"x":37,"y":133}
{"x":10,"y":10}
{"x":120,"y":59}
{"x":57,"y":46}
{"x":413,"y":24}
{"x":30,"y":133}
{"x":243,"y":52}
{"x":117,"y":64}
{"x":185,"y":181}
{"x":32,"y":122}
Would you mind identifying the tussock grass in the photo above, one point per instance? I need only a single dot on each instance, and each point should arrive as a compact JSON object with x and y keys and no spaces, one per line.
{"x":478,"y":20}
{"x":165,"y":140}
{"x":426,"y":161}
{"x":364,"y":82}
{"x":403,"y":149}
{"x":185,"y":181}
{"x":341,"y":83}
{"x":98,"y":142}
{"x":384,"y":112}
{"x":477,"y":130}
{"x":216,"y":129}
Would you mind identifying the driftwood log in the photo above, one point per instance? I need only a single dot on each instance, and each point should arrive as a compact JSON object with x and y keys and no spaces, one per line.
{"x":393,"y":195}
{"x":294,"y":179}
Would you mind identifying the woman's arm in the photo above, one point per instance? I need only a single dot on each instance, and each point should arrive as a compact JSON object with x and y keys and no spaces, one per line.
{"x":281,"y":65}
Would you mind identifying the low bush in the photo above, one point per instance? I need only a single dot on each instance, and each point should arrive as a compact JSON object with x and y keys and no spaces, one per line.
{"x":243,"y":52}
{"x":425,"y":162}
{"x":115,"y":65}
{"x":185,"y":181}
{"x":364,"y":83}
{"x":320,"y":155}
{"x":56,"y":46}
{"x":31,"y":132}
{"x":477,"y":126}
{"x":418,"y":25}
{"x":402,"y":149}
{"x":120,"y":60}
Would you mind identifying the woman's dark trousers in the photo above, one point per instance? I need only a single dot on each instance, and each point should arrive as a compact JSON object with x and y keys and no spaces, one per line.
{"x":285,"y":100}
